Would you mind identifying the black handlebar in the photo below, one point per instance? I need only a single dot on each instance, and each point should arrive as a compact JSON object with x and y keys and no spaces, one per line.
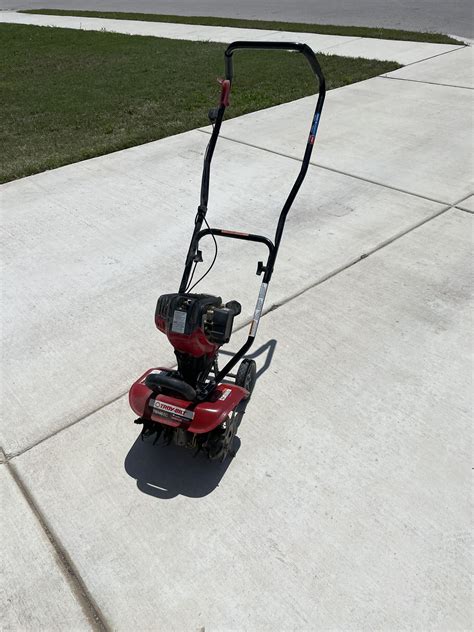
{"x":193,"y":255}
{"x":304,"y":49}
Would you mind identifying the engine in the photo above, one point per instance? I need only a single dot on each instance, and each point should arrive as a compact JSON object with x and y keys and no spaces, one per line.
{"x":195,"y":324}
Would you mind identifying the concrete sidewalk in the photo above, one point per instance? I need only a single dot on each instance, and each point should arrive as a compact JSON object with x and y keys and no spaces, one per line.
{"x":347,"y":505}
{"x":400,"y":51}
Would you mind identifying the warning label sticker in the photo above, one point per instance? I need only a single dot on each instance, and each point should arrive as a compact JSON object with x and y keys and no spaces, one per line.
{"x":179,"y":321}
{"x":225,"y":393}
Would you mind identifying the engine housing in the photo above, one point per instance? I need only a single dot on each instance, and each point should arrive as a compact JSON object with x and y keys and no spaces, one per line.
{"x":195,"y":324}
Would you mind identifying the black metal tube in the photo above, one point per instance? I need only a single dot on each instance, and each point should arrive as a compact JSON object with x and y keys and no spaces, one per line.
{"x":301,"y":48}
{"x":202,"y":209}
{"x":206,"y":174}
{"x":273,"y":247}
{"x":311,"y":57}
{"x":230,"y":365}
{"x":219,"y":232}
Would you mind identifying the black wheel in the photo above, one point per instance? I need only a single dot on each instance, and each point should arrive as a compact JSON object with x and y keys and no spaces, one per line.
{"x":247,"y":375}
{"x":221,"y":440}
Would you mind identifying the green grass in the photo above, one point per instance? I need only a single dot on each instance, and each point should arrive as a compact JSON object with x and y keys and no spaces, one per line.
{"x":326,"y":29}
{"x":68,"y":95}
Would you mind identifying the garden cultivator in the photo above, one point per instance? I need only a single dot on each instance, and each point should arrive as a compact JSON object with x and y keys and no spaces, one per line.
{"x":192,"y":405}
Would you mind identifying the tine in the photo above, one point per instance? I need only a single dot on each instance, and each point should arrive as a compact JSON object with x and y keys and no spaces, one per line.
{"x":143,"y":433}
{"x":158,"y":434}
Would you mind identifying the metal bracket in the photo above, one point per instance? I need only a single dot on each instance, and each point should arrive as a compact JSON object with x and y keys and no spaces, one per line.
{"x":260,"y":268}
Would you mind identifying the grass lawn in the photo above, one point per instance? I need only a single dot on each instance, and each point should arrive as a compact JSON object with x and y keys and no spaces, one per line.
{"x":68,"y":95}
{"x":326,"y":29}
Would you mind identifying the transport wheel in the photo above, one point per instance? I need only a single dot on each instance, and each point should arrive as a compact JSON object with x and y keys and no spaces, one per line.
{"x":247,"y":375}
{"x":220,"y":442}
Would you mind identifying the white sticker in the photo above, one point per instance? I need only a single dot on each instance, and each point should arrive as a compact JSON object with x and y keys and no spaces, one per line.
{"x":225,"y":393}
{"x":258,"y":309}
{"x":168,"y":410}
{"x":179,"y":321}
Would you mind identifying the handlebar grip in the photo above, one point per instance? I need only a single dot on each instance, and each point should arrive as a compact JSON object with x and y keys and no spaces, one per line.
{"x":225,"y":92}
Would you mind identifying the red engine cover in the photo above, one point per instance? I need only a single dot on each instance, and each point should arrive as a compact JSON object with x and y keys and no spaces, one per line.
{"x":195,"y":344}
{"x":175,"y":412}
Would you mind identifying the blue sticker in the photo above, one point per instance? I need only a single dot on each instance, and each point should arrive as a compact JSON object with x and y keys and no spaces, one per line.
{"x":314,"y":127}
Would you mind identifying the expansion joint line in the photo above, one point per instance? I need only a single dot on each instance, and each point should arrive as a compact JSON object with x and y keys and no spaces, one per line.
{"x":65,"y":564}
{"x":271,"y":308}
{"x":332,"y":169}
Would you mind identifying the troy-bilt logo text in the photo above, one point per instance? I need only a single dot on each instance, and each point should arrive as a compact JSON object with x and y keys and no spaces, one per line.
{"x":161,"y":408}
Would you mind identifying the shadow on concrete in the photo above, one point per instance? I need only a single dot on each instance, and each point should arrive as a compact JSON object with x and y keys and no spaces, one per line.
{"x":268,"y":349}
{"x":169,"y":471}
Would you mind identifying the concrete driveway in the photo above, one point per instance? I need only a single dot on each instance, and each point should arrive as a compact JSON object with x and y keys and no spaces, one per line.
{"x":347,"y":504}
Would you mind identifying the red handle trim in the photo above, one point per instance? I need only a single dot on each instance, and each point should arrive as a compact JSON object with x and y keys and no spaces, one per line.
{"x":225,"y":92}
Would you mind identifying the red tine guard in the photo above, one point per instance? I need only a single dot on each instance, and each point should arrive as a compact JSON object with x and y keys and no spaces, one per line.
{"x":225,"y":92}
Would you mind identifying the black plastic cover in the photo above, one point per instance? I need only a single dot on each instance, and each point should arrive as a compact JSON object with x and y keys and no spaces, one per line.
{"x":183,"y":313}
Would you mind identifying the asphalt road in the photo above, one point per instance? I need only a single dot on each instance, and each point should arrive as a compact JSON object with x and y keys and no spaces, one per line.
{"x":454,"y":17}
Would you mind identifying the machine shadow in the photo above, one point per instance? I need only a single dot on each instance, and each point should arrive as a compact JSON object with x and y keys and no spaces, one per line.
{"x":169,"y":471}
{"x":268,"y":348}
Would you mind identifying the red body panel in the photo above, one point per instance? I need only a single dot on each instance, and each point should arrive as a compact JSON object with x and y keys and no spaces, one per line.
{"x":175,"y":412}
{"x":195,"y":344}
